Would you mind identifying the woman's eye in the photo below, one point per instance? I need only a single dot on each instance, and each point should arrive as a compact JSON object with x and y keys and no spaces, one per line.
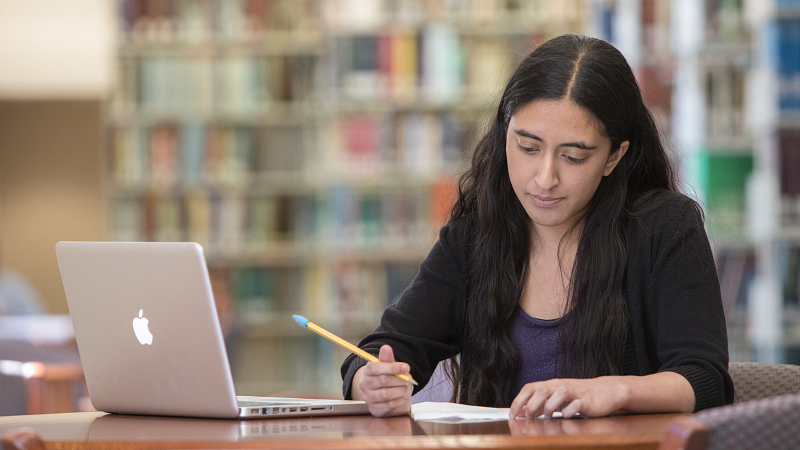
{"x":574,"y":160}
{"x":526,"y":149}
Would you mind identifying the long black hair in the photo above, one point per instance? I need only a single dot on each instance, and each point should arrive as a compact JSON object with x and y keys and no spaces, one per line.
{"x":595,"y":76}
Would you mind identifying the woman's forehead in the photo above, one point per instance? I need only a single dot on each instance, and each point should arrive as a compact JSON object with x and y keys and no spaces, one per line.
{"x":555,"y":117}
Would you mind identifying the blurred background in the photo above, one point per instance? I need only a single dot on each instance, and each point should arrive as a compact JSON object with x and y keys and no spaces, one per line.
{"x":311,"y":147}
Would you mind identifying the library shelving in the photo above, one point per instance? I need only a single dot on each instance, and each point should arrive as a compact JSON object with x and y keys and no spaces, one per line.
{"x":713,"y":50}
{"x":773,"y":190}
{"x":310,"y":146}
{"x":693,"y":61}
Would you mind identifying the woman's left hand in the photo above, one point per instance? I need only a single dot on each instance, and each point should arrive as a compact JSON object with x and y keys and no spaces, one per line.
{"x":594,"y":397}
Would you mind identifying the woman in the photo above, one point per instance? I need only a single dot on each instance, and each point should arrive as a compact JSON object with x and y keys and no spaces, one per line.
{"x":572,"y":275}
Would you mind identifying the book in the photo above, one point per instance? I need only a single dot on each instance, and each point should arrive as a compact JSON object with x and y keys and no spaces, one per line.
{"x":404,"y":65}
{"x":789,"y":162}
{"x":192,"y":152}
{"x":442,"y":61}
{"x":163,"y":151}
{"x":723,"y":177}
{"x":198,"y":217}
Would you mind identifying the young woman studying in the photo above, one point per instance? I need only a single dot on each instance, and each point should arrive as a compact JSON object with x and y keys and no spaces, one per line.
{"x":572,"y":275}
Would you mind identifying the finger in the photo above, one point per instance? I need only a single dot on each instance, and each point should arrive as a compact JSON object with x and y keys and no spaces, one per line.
{"x":385,"y":394}
{"x":558,"y":398}
{"x":535,"y":405}
{"x":386,"y":354}
{"x":572,"y":409}
{"x":375,"y":382}
{"x":518,"y":404}
{"x":388,"y":401}
{"x":385,"y":368}
{"x":404,"y":404}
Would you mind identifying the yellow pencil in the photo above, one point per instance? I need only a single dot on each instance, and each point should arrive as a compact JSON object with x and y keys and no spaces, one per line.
{"x":328,"y":335}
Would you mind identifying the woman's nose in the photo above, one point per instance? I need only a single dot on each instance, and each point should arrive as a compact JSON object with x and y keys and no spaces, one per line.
{"x":547,"y":175}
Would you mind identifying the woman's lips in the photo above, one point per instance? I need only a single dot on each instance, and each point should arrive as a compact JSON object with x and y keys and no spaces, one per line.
{"x":545,"y":201}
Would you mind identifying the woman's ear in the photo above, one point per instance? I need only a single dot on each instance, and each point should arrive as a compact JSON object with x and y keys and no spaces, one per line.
{"x":613,"y":159}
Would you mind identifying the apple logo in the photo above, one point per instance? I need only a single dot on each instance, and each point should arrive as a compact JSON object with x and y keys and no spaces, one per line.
{"x":140,"y":329}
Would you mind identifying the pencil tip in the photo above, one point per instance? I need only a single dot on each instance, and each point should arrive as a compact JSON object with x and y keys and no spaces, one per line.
{"x":302,"y":321}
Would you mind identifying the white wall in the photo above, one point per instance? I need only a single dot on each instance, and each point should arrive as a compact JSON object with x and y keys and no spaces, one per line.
{"x":56,"y":49}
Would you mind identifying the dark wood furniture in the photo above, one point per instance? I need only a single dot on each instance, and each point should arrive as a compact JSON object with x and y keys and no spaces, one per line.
{"x":99,"y":431}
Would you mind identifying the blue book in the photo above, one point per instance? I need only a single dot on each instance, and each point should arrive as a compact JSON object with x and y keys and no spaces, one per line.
{"x":794,"y":75}
{"x":783,"y":63}
{"x":192,"y":145}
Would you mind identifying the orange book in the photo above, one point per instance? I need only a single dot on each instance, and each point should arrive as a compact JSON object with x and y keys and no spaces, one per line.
{"x":442,"y":197}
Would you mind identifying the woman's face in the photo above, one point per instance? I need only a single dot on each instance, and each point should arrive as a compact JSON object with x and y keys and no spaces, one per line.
{"x":556,"y":159}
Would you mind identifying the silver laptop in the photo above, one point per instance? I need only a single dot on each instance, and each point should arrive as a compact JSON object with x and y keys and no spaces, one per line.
{"x":149,"y":338}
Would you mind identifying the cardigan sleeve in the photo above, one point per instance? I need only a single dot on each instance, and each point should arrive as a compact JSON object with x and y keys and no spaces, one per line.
{"x":423,"y":326}
{"x":685,"y":307}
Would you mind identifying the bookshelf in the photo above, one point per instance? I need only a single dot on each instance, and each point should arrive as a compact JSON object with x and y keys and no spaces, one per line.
{"x":713,"y":48}
{"x":773,"y":190}
{"x":698,"y":66}
{"x":310,"y":147}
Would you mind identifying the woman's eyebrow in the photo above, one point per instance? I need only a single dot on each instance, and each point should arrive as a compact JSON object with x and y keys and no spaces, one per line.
{"x":579,"y":144}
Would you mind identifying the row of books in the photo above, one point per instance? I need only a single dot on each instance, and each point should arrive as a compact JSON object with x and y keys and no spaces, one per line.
{"x":165,"y":154}
{"x":789,"y":173}
{"x":345,"y":218}
{"x":725,"y":92}
{"x":230,"y":83}
{"x":433,"y":63}
{"x":193,"y":21}
{"x":408,"y":143}
{"x":344,"y":290}
{"x":196,"y":153}
{"x":371,"y":14}
{"x":395,"y":63}
{"x":308,"y":368}
{"x":725,"y":21}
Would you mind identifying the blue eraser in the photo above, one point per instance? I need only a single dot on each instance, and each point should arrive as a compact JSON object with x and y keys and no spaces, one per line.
{"x":302,"y":321}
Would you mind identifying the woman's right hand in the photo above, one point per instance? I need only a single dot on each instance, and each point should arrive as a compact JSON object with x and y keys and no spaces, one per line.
{"x":386,"y":395}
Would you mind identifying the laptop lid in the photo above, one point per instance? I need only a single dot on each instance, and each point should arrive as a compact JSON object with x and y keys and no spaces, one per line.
{"x":147,"y":329}
{"x":149,"y":337}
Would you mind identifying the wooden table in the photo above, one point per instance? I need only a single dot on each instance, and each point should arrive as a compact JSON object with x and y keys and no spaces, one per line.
{"x":99,"y":431}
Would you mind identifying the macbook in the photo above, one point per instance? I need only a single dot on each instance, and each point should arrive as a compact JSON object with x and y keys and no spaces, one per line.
{"x":149,"y":338}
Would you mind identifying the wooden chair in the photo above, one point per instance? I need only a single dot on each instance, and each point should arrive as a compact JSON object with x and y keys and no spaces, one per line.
{"x":39,"y":378}
{"x":22,"y":439}
{"x":756,"y":381}
{"x":770,"y":423}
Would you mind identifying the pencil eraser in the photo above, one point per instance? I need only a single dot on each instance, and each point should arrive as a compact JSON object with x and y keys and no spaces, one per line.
{"x":302,"y":321}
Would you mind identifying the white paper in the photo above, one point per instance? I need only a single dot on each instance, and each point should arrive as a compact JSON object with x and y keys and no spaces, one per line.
{"x":450,"y":412}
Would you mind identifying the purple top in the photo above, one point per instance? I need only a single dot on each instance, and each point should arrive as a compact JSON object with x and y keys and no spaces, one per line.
{"x":537,"y":341}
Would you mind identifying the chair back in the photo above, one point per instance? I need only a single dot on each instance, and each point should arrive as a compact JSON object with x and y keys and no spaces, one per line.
{"x":756,"y":381}
{"x":762,"y":424}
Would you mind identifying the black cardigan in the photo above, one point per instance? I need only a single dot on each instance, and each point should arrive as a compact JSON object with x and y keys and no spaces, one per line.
{"x":675,"y":311}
